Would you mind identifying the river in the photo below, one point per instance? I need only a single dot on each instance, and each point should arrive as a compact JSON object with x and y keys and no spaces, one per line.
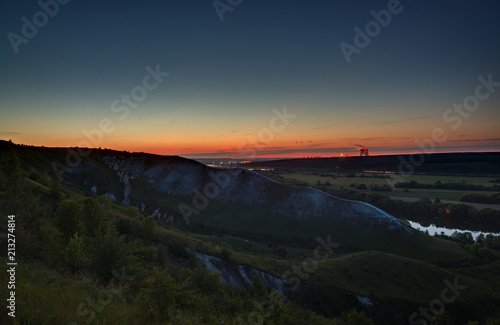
{"x":433,"y":229}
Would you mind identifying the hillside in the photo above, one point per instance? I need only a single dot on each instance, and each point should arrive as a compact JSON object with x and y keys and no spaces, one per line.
{"x":248,"y":226}
{"x":179,"y":190}
{"x":182,"y":178}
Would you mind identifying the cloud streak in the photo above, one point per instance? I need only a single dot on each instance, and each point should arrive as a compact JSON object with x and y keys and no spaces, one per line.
{"x":9,"y":133}
{"x":476,"y":140}
{"x":323,"y":127}
{"x":404,"y":120}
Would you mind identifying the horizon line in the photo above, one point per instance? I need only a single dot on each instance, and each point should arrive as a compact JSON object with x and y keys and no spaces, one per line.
{"x":310,"y":156}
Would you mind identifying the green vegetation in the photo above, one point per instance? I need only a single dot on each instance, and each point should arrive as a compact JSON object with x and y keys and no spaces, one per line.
{"x":444,"y":187}
{"x":421,"y":209}
{"x":75,"y":266}
{"x":87,"y":259}
{"x":447,"y":186}
{"x":477,"y":198}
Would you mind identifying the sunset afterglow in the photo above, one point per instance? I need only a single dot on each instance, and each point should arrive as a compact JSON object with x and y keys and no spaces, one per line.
{"x":213,"y":89}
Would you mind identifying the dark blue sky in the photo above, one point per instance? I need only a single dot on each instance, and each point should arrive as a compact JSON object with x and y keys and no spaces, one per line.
{"x":227,"y":76}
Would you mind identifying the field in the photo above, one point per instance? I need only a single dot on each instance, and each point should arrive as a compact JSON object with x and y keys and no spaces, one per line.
{"x":342,"y":181}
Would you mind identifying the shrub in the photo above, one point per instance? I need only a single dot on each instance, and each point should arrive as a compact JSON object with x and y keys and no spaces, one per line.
{"x":76,"y":257}
{"x":257,"y":288}
{"x":354,"y":317}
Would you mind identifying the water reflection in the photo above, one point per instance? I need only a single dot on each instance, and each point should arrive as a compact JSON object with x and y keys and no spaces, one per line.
{"x":433,"y":229}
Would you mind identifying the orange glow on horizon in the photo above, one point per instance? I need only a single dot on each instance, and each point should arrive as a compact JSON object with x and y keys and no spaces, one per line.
{"x":239,"y":145}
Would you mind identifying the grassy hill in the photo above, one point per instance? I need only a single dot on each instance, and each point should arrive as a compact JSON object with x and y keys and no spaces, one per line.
{"x":387,"y":274}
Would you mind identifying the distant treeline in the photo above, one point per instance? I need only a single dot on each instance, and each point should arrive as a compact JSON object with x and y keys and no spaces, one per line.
{"x":479,"y":198}
{"x":448,"y":186}
{"x":426,"y":212}
{"x":486,"y":163}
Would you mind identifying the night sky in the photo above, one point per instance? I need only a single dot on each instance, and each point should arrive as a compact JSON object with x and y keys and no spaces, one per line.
{"x":225,"y":77}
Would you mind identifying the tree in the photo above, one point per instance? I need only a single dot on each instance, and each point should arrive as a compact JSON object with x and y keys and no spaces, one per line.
{"x":132,"y":212}
{"x":474,"y":248}
{"x":13,"y":172}
{"x":205,"y":281}
{"x":69,"y":218}
{"x":76,"y":257}
{"x":161,"y":295}
{"x":278,"y":305}
{"x":13,"y":199}
{"x":489,"y":241}
{"x":463,"y":237}
{"x":425,"y":201}
{"x":108,"y":254}
{"x":258,"y":288}
{"x":486,"y":253}
{"x":93,"y":216}
{"x":52,"y":243}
